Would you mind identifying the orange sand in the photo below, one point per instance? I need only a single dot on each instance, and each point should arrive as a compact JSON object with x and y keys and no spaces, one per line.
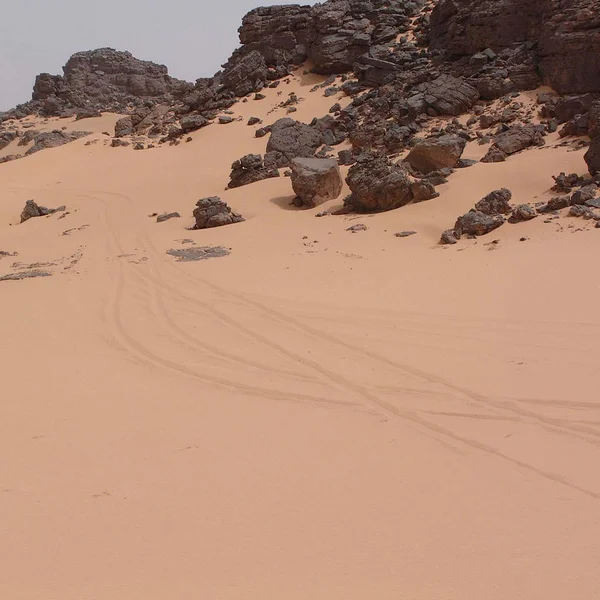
{"x":340,"y":417}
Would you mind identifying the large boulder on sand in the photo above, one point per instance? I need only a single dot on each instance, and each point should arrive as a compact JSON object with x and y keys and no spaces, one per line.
{"x":315,"y":180}
{"x":213,"y":212}
{"x":433,"y":154}
{"x":377,"y":184}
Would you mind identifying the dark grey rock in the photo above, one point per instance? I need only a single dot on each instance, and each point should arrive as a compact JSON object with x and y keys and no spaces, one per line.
{"x":167,"y":216}
{"x":213,"y":212}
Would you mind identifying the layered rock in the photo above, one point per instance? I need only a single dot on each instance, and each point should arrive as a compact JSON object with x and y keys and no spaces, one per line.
{"x":104,"y":79}
{"x":563,"y":37}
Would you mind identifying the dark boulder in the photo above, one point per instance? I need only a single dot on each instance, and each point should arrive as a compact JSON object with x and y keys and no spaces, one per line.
{"x":476,"y":223}
{"x":213,"y":212}
{"x":249,"y":169}
{"x":377,"y":184}
{"x":496,"y":203}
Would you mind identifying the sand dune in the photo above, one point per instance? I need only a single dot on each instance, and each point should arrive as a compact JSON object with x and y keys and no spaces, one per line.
{"x":320,"y":414}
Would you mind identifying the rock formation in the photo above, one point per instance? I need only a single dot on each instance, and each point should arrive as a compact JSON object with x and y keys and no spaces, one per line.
{"x":213,"y":212}
{"x":315,"y":180}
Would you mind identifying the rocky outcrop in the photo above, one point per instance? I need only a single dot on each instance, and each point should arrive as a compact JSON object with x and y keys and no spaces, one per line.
{"x":249,"y":169}
{"x":445,"y":95}
{"x":563,"y":37}
{"x":53,"y":139}
{"x":213,"y":212}
{"x":291,"y":139}
{"x":436,"y":153}
{"x":377,"y":184}
{"x":315,"y":180}
{"x":104,"y":79}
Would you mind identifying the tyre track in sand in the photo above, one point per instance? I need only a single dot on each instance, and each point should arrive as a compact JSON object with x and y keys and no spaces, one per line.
{"x":353,"y":389}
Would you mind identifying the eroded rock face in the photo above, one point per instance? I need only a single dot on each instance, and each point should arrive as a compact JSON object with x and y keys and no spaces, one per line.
{"x":563,"y":37}
{"x":315,"y":180}
{"x":436,"y":153}
{"x":104,"y":79}
{"x":53,"y":139}
{"x":213,"y":212}
{"x":377,"y":184}
{"x":445,"y":95}
{"x":291,"y":139}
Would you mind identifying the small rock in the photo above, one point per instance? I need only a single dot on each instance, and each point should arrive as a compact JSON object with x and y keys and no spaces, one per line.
{"x":403,"y":234}
{"x":225,"y":120}
{"x":448,"y":237}
{"x":167,"y":216}
{"x":356,"y":228}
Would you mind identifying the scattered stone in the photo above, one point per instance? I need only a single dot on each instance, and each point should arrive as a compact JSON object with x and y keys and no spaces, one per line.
{"x":198,"y":253}
{"x":213,"y":212}
{"x":358,"y":227}
{"x":403,"y":234}
{"x":225,"y":120}
{"x":254,"y":121}
{"x":325,"y":213}
{"x":315,"y":180}
{"x":167,"y":216}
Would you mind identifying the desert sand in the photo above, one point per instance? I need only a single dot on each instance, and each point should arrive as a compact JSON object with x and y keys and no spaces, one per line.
{"x":318,"y":415}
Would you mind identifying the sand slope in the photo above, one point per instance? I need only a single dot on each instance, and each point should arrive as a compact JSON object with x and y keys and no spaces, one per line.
{"x":320,"y":414}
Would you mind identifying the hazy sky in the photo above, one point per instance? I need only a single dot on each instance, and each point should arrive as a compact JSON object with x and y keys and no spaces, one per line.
{"x":192,"y":37}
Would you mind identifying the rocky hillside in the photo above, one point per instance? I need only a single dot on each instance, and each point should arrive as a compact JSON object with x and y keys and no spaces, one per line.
{"x":403,"y":63}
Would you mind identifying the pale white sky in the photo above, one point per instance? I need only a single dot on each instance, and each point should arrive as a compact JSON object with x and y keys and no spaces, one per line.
{"x":192,"y":37}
